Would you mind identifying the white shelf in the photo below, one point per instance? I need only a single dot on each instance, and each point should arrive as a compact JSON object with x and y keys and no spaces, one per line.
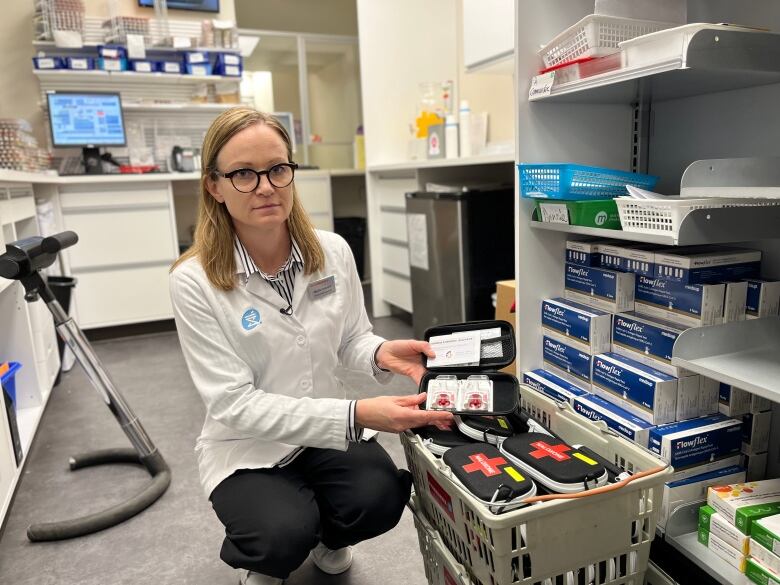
{"x":89,"y":47}
{"x":602,"y":233}
{"x":714,"y":60}
{"x":126,"y":77}
{"x":745,"y":354}
{"x":707,"y":560}
{"x":176,"y":108}
{"x":444,"y":162}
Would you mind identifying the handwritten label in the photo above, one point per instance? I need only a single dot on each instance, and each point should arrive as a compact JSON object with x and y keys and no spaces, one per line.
{"x":554,"y":213}
{"x":541,"y":85}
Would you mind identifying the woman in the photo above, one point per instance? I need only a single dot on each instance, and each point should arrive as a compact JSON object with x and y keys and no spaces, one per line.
{"x":266,"y":308}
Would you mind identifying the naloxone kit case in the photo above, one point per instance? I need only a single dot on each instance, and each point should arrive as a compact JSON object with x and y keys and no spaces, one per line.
{"x":464,"y":389}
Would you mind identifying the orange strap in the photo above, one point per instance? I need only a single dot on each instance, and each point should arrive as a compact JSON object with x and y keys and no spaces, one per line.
{"x":4,"y":367}
{"x":601,"y":490}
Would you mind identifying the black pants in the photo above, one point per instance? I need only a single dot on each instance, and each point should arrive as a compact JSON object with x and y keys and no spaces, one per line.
{"x":274,"y":517}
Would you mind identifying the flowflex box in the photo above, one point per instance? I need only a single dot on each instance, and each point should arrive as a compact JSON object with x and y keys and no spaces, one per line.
{"x":744,"y":503}
{"x":647,"y":340}
{"x":694,"y":305}
{"x":763,"y":298}
{"x":700,"y":440}
{"x":643,"y":391}
{"x":583,"y":326}
{"x":585,"y":253}
{"x":735,"y":301}
{"x":766,"y":532}
{"x":755,"y":432}
{"x":636,"y":258}
{"x":693,"y":489}
{"x":553,"y":386}
{"x":733,"y":401}
{"x":710,"y":522}
{"x":608,"y":290}
{"x":621,"y":421}
{"x":701,"y":265}
{"x":565,"y":360}
{"x":685,"y":473}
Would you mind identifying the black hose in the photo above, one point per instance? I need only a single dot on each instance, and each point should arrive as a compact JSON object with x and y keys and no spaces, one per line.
{"x":161,"y":479}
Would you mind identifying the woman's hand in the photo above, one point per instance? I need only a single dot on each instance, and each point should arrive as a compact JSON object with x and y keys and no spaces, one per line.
{"x":402,"y":356}
{"x":395,"y":414}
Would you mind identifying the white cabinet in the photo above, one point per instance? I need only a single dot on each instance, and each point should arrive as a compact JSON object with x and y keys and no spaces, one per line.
{"x":314,"y":190}
{"x":488,"y":34}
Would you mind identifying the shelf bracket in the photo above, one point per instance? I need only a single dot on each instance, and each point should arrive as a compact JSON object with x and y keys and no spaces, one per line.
{"x":641,"y":126}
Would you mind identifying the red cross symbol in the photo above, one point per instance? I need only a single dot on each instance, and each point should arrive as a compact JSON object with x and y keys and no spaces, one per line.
{"x":480,"y":462}
{"x":544,"y":450}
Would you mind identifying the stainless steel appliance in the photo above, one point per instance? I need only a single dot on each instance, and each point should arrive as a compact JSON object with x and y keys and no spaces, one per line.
{"x":460,"y":244}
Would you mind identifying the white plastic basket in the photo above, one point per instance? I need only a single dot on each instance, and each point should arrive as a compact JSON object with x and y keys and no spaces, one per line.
{"x":604,"y":538}
{"x":665,"y":216}
{"x":441,"y":568}
{"x":595,"y":35}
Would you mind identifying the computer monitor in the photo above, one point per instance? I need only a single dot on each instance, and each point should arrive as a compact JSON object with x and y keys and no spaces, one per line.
{"x":86,"y":120}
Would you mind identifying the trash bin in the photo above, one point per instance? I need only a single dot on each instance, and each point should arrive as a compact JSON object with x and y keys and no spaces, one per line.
{"x":62,"y":288}
{"x":353,"y":230}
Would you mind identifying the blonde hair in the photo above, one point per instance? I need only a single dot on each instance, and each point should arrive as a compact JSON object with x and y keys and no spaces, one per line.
{"x":214,"y":234}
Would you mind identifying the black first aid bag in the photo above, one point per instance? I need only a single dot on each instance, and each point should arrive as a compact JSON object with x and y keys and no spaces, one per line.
{"x":489,"y":476}
{"x":554,"y":464}
{"x":438,"y":441}
{"x":489,"y":429}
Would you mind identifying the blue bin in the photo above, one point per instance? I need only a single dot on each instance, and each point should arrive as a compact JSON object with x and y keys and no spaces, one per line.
{"x":573,"y":182}
{"x":9,"y":380}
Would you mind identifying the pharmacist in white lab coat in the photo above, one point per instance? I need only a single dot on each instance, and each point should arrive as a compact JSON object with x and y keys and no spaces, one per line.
{"x":266,"y":308}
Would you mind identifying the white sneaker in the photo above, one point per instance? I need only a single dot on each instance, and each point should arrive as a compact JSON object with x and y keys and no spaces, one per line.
{"x":251,"y":578}
{"x":332,"y":562}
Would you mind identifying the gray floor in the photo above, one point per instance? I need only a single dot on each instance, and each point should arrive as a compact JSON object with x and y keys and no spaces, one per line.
{"x":177,"y":540}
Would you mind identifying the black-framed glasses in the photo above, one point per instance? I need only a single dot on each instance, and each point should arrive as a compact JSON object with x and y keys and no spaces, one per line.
{"x":247,"y":180}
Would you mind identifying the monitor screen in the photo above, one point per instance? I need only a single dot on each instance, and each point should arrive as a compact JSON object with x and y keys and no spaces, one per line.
{"x":202,"y":5}
{"x":86,"y":119}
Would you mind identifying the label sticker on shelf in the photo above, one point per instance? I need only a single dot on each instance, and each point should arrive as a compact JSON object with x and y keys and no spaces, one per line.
{"x":541,"y":85}
{"x":135,"y":47}
{"x":182,"y":43}
{"x":554,"y":213}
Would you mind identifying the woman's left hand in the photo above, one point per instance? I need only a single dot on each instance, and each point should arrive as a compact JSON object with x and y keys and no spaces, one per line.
{"x":402,"y":356}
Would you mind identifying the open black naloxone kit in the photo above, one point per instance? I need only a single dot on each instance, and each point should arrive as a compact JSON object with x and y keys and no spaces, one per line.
{"x":464,"y":377}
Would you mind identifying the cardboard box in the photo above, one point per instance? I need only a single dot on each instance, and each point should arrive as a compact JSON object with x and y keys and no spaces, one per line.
{"x":505,"y":302}
{"x":583,"y":326}
{"x":693,"y":489}
{"x":755,"y":432}
{"x":694,"y":305}
{"x":647,"y":340}
{"x":647,"y":393}
{"x":693,"y":442}
{"x":755,"y":463}
{"x":766,"y":532}
{"x":565,"y":360}
{"x":706,"y":264}
{"x":763,"y":298}
{"x":553,"y":386}
{"x":710,"y":522}
{"x":618,"y":419}
{"x":734,"y":402}
{"x":607,"y":290}
{"x":735,"y":301}
{"x":744,"y":503}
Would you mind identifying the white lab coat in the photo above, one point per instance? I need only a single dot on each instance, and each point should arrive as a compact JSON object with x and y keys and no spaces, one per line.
{"x":268,"y":379}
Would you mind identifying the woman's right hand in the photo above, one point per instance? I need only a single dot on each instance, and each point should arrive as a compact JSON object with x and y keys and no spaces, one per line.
{"x":395,"y":414}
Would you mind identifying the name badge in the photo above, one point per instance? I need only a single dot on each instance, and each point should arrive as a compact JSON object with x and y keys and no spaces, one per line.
{"x":323,"y":287}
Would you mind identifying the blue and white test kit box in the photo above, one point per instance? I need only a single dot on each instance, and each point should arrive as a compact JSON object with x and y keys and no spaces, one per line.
{"x":553,"y":386}
{"x":734,"y":402}
{"x":694,"y":305}
{"x":763,"y":298}
{"x":696,"y":441}
{"x":628,"y":257}
{"x":647,"y":340}
{"x":585,"y":253}
{"x":700,"y":265}
{"x":608,"y":290}
{"x":643,"y":391}
{"x":566,"y":360}
{"x":621,"y":421}
{"x":584,"y":326}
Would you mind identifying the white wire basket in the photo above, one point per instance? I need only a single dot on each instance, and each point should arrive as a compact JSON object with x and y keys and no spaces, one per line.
{"x":604,"y":538}
{"x":665,"y":216}
{"x":441,"y":568}
{"x":594,"y":36}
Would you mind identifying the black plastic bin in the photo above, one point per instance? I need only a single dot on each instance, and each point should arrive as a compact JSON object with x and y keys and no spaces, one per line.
{"x":353,"y":230}
{"x":62,"y":288}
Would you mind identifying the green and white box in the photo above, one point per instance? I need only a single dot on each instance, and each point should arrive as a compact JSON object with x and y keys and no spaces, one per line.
{"x":744,"y":503}
{"x":710,"y":522}
{"x":764,"y":556}
{"x":766,"y":531}
{"x":760,"y":574}
{"x":729,"y":554}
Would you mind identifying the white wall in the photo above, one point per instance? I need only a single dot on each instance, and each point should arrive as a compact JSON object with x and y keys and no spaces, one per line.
{"x":403,"y":43}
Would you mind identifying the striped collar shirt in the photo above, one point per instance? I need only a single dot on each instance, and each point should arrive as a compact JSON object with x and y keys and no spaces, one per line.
{"x":283,"y":282}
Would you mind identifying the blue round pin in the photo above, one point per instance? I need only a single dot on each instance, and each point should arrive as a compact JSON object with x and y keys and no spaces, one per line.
{"x":250,"y":319}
